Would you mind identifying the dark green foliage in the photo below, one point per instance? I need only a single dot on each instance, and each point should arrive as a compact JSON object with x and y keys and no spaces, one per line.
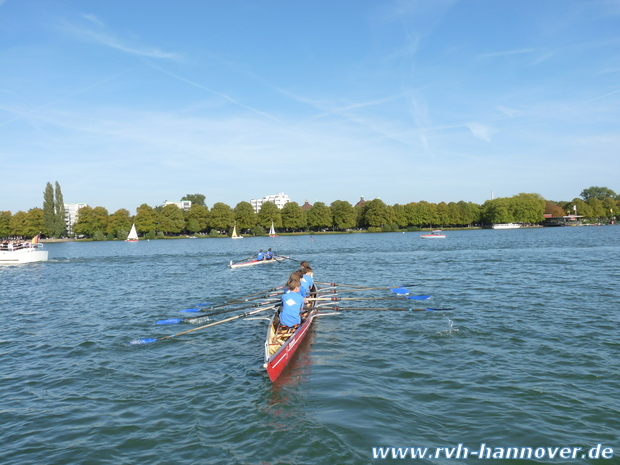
{"x":196,"y":199}
{"x":258,"y":231}
{"x":49,"y":210}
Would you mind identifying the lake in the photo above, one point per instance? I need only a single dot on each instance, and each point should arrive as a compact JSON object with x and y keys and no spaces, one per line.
{"x":527,"y":358}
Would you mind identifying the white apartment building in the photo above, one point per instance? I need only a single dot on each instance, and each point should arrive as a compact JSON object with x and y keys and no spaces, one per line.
{"x":183,"y":204}
{"x":279,"y":199}
{"x":71,"y":214}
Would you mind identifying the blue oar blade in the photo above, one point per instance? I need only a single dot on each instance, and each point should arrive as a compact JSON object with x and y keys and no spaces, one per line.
{"x":400,"y":291}
{"x":190,"y":310}
{"x":170,"y":321}
{"x":146,"y":340}
{"x":419,"y":297}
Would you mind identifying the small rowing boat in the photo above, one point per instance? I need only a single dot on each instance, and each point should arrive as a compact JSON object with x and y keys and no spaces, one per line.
{"x":280,"y":345}
{"x":256,"y":262}
{"x":436,"y":234}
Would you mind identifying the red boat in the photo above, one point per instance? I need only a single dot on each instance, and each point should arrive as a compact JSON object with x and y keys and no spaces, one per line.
{"x":279,"y":347}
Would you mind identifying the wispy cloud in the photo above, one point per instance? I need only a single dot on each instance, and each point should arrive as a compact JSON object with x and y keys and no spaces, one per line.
{"x":224,"y":96}
{"x":109,"y":39}
{"x":94,"y":19}
{"x":509,"y":52}
{"x":480,"y":131}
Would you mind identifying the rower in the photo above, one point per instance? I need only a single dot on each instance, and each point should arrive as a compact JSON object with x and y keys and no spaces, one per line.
{"x":261,"y":255}
{"x":268,"y":254}
{"x":308,"y":275}
{"x":292,"y":304}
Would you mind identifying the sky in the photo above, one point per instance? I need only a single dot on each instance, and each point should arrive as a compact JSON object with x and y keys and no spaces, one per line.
{"x":126,"y":102}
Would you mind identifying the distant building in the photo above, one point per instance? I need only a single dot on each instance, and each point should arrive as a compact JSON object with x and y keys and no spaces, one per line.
{"x":279,"y":199}
{"x":183,"y":204}
{"x":71,"y":214}
{"x":361,"y":203}
{"x":306,"y":206}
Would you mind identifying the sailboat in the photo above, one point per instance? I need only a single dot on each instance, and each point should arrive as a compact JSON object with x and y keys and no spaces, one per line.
{"x":272,"y":231}
{"x":133,"y":235}
{"x":234,"y":233}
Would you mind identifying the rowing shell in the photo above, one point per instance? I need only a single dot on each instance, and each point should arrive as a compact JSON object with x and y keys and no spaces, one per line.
{"x":255,"y":262}
{"x":278,"y":349}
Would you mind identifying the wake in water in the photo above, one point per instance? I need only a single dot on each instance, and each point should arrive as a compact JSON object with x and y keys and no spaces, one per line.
{"x":450,"y":331}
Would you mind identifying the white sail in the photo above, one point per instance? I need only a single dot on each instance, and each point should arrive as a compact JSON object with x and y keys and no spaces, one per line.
{"x":234,"y":233}
{"x":272,"y":231}
{"x":133,"y":235}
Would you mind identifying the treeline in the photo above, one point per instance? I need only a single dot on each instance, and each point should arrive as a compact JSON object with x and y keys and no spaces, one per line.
{"x":596,"y":204}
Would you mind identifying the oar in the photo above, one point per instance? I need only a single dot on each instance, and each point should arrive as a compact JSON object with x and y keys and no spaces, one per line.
{"x":174,"y":321}
{"x":395,"y":290}
{"x":353,"y":285}
{"x":242,"y":315}
{"x":394,"y":309}
{"x":264,"y":294}
{"x":411,"y":297}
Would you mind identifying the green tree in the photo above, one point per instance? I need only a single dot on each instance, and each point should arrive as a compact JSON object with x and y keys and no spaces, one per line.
{"x":147,"y":219}
{"x":60,"y":226}
{"x":376,"y":213}
{"x":33,"y":222}
{"x":319,"y":216}
{"x":119,"y":224}
{"x":497,"y":211}
{"x":527,"y":208}
{"x":423,"y":214}
{"x":222,"y":217}
{"x":442,"y":214}
{"x":196,"y":218}
{"x":293,"y":217}
{"x":454,"y":215}
{"x":596,"y":192}
{"x":344,"y":215}
{"x":172,"y":219}
{"x":401,"y":215}
{"x":196,"y":199}
{"x":5,"y":221}
{"x":83,"y":222}
{"x":245,"y":216}
{"x":18,"y":224}
{"x":596,"y":206}
{"x":269,"y":212}
{"x":610,"y":206}
{"x":91,"y":221}
{"x":49,"y":211}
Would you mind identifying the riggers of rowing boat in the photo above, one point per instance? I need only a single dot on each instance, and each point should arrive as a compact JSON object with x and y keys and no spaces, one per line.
{"x":280,"y":345}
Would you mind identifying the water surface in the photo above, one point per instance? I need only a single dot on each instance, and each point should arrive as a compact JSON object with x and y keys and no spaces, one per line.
{"x":527,"y":358}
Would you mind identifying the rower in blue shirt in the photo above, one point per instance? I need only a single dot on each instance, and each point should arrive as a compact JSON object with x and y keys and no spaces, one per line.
{"x":268,"y":254}
{"x":308,"y":275}
{"x":261,"y":255}
{"x":292,"y":304}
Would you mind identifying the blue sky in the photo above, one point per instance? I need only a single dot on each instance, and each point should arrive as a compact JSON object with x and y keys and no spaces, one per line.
{"x":130,"y":102}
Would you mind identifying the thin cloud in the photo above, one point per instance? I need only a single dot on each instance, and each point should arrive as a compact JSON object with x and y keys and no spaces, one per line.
{"x":110,"y":40}
{"x":509,"y":52}
{"x":480,"y":131}
{"x":94,"y":19}
{"x":216,"y":93}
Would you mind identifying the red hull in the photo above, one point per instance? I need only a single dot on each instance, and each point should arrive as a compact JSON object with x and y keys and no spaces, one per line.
{"x":278,"y":361}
